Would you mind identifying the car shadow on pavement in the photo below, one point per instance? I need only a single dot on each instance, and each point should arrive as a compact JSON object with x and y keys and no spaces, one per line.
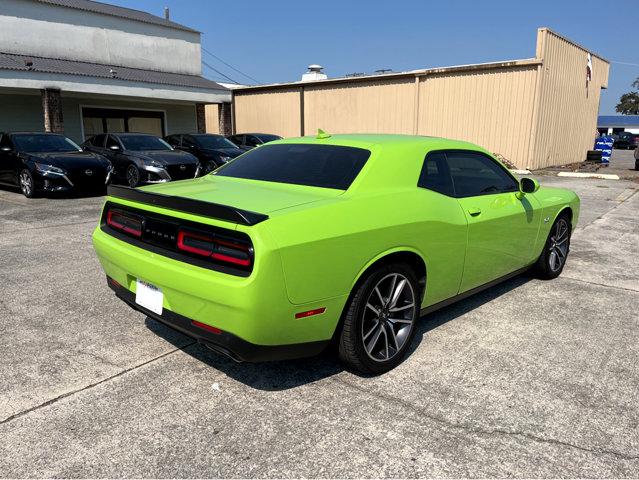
{"x":284,"y":375}
{"x":58,"y":195}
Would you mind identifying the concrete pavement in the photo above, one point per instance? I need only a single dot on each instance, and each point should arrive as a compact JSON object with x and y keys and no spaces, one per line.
{"x":528,"y":379}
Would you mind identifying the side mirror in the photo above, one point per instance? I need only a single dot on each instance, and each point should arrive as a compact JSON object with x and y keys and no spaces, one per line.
{"x":115,"y":148}
{"x":528,"y":185}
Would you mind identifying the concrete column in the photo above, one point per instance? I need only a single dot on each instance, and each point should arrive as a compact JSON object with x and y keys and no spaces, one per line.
{"x":200,"y":114}
{"x":52,"y":109}
{"x":224,"y":113}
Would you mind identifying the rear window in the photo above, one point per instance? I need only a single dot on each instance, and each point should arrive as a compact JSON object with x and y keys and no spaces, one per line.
{"x":327,"y":166}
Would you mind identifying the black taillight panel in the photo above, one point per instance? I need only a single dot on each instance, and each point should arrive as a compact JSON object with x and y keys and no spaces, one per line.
{"x":196,"y":243}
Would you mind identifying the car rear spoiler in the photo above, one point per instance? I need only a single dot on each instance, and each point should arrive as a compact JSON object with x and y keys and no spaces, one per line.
{"x":187,"y":205}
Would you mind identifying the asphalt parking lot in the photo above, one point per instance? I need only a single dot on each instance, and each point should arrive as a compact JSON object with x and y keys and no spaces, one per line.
{"x":528,"y":379}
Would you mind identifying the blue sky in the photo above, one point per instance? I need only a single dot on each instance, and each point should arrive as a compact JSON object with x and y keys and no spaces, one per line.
{"x":274,"y":41}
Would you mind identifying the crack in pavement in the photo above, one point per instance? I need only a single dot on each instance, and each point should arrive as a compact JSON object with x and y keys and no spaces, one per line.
{"x":601,"y":284}
{"x":480,"y":431}
{"x":87,"y":387}
{"x":52,"y":226}
{"x":619,"y":204}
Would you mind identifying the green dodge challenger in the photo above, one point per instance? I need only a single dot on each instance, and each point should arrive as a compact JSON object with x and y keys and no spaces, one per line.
{"x":345,"y":238}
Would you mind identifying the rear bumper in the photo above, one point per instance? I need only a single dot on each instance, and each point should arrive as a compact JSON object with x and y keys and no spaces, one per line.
{"x":223,"y":342}
{"x":254,"y":311}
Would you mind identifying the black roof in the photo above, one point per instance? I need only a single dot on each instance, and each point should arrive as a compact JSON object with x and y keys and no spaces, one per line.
{"x":11,"y":61}
{"x":115,"y":11}
{"x":132,"y":134}
{"x":32,"y":133}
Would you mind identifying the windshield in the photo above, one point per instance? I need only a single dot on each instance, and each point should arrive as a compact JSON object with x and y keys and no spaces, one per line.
{"x":139,"y":143}
{"x":265,"y":137}
{"x":214,"y":141}
{"x":44,"y":143}
{"x":328,"y":166}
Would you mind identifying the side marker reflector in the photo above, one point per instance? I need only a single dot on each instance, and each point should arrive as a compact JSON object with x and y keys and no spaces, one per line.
{"x":204,"y":326}
{"x":309,"y":313}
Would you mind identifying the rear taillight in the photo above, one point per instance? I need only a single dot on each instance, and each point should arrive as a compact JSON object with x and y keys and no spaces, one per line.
{"x":211,"y":246}
{"x":125,"y":222}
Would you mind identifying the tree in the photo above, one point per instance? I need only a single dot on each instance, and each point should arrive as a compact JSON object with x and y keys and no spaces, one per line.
{"x":629,"y":102}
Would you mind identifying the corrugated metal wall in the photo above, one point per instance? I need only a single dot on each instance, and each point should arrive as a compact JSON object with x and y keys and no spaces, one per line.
{"x":566,"y":118}
{"x":492,"y":108}
{"x":536,"y":112}
{"x":275,"y":112}
{"x":378,"y":106}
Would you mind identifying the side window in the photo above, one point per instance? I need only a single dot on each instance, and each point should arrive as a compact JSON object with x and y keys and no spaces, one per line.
{"x":237,"y":139}
{"x":173,"y":140}
{"x":252,"y":141}
{"x":434,"y":175}
{"x":188,"y":141}
{"x":112,"y":141}
{"x":474,"y":173}
{"x":5,"y":142}
{"x":98,"y":140}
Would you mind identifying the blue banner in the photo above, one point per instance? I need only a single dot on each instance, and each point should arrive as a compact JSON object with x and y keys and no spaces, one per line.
{"x":604,"y":144}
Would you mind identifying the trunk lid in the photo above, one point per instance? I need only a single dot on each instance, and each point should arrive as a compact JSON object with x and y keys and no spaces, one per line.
{"x":252,"y":195}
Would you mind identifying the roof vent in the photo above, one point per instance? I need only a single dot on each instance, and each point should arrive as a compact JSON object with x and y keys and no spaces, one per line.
{"x":314,"y":72}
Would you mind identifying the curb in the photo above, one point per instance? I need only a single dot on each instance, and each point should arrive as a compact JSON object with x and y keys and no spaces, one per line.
{"x":602,"y":176}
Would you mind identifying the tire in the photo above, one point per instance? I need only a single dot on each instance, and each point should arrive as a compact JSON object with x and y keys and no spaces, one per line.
{"x":594,"y":156}
{"x":26,"y":183}
{"x":132,"y":176}
{"x":553,"y":258}
{"x":376,"y":335}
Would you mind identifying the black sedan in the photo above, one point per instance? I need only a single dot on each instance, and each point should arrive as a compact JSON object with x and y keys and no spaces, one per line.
{"x":139,"y":158}
{"x":48,"y":162}
{"x":247,"y":141}
{"x":211,"y":150}
{"x":625,"y":141}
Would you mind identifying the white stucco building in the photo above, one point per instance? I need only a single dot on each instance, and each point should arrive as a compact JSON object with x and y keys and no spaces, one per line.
{"x":83,"y":67}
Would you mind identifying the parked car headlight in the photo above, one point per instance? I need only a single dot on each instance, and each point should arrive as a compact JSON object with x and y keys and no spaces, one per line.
{"x":156,"y":164}
{"x":46,"y":169}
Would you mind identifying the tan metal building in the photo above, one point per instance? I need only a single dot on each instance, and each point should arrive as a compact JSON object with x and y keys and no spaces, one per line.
{"x":535,"y":112}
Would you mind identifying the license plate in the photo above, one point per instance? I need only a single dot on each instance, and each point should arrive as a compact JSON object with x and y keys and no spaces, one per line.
{"x":149,"y":296}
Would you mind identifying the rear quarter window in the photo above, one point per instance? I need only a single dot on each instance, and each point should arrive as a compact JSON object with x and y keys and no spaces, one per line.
{"x":327,"y":166}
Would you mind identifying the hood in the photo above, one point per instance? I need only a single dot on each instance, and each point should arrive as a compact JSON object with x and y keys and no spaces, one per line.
{"x":252,"y":195}
{"x":227,"y":152}
{"x":166,"y":157}
{"x":71,"y":160}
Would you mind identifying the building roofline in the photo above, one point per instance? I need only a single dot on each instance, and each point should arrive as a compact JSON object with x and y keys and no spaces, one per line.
{"x":394,"y":75}
{"x":573,"y":43}
{"x":119,"y":12}
{"x":79,"y":68}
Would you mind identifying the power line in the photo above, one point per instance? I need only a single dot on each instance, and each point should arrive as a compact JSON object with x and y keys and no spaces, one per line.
{"x":230,"y":66}
{"x":625,"y":63}
{"x":219,"y":73}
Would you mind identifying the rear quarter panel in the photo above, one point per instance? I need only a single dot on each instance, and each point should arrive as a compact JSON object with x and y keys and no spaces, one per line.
{"x":326,"y":248}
